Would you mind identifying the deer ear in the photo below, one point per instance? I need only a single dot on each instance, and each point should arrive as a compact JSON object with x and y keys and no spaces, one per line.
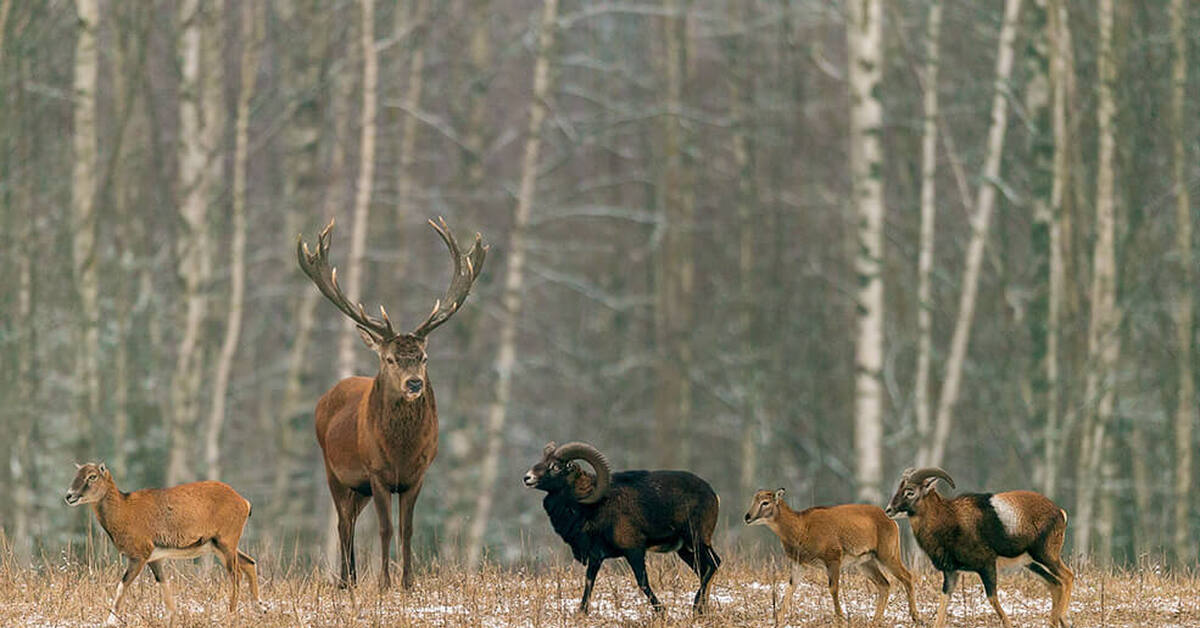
{"x":78,"y":466}
{"x":102,"y":469}
{"x":779,"y":494}
{"x":370,"y":339}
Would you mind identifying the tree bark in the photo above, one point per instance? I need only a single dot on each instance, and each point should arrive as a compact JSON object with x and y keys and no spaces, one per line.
{"x":741,"y":98}
{"x":1061,"y":72}
{"x":252,"y":26}
{"x":83,"y":211}
{"x":1103,"y":326}
{"x":411,"y":99}
{"x":200,"y":108}
{"x":984,"y":203}
{"x":514,"y":278}
{"x":366,"y":177}
{"x":864,"y":39}
{"x":929,"y":139}
{"x":1185,"y":405}
{"x":674,"y":266}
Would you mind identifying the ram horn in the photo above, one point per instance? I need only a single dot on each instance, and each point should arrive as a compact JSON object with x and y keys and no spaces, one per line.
{"x":919,"y":476}
{"x":591,"y":455}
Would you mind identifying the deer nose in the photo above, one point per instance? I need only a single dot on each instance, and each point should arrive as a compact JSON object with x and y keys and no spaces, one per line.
{"x":413,"y":385}
{"x":747,"y":517}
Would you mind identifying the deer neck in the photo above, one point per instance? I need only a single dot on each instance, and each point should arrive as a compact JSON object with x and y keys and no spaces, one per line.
{"x":389,"y":404}
{"x":109,"y":506}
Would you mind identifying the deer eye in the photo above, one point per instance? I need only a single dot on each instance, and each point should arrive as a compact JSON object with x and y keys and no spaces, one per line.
{"x":424,"y":359}
{"x":766,"y":503}
{"x":92,"y":478}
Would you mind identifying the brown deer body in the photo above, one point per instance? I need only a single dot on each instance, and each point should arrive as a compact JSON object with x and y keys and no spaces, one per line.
{"x":153,"y":525}
{"x":379,"y":434}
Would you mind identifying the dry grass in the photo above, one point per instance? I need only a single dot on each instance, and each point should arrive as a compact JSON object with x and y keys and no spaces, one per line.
{"x":66,"y":593}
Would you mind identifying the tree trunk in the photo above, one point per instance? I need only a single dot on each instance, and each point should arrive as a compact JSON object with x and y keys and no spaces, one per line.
{"x":674,"y":269}
{"x":366,"y":177}
{"x":1061,"y":69}
{"x":1185,"y":412}
{"x":252,"y":26}
{"x":411,"y":105}
{"x":514,"y":277}
{"x":984,"y":203}
{"x":741,"y":98}
{"x":925,"y":257}
{"x":200,"y":108}
{"x":864,"y":42}
{"x":83,"y":210}
{"x":1103,"y":339}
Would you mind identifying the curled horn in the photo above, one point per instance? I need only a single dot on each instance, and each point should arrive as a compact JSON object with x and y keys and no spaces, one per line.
{"x":584,"y":451}
{"x":918,"y":476}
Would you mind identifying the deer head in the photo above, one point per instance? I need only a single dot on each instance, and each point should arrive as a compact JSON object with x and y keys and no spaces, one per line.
{"x":402,"y":355}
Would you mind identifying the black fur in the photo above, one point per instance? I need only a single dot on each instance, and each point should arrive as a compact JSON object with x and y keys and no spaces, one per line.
{"x":642,"y":511}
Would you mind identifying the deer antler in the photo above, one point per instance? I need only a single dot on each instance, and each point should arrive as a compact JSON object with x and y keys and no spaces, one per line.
{"x":466,"y":269}
{"x":316,"y":266}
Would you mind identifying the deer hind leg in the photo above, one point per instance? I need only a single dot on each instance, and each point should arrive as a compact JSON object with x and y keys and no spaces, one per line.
{"x":890,"y":559}
{"x":164,"y":586}
{"x":833,"y":569}
{"x":250,"y":569}
{"x":882,"y":587}
{"x":227,"y":551}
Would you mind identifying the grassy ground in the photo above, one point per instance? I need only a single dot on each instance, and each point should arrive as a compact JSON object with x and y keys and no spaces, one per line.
{"x":743,"y":594}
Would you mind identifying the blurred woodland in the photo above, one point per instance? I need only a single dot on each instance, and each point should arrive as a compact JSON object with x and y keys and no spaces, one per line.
{"x":797,"y":243}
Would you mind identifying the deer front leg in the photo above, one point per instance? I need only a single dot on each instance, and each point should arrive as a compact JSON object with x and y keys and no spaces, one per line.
{"x":382,"y":496}
{"x":132,"y":570}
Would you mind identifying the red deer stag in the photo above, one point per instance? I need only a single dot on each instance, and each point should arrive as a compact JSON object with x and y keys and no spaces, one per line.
{"x":380,"y":434}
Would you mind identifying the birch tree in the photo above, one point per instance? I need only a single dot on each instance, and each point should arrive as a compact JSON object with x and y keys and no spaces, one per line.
{"x":252,"y":25}
{"x":410,"y":107}
{"x":83,"y":210}
{"x":985,"y":201}
{"x":1103,"y":339}
{"x":1061,"y":70}
{"x":514,"y":279}
{"x":200,"y":106}
{"x":1185,"y":403}
{"x":929,"y":140}
{"x":864,"y":44}
{"x":366,"y":176}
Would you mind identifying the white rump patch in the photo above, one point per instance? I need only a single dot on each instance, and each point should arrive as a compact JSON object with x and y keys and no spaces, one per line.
{"x":1008,"y":513}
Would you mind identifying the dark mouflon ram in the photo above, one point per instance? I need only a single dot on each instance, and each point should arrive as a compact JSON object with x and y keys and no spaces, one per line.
{"x":624,"y":515}
{"x":971,"y":532}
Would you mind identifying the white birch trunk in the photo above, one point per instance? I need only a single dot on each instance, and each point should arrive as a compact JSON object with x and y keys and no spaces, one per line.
{"x":1060,"y":71}
{"x":83,"y":211}
{"x":405,"y":203}
{"x":1185,"y":408}
{"x":1103,"y":339}
{"x":366,"y":176}
{"x":252,"y":24}
{"x":200,"y":107}
{"x":514,"y":277}
{"x":929,"y":139}
{"x":864,"y":38}
{"x":984,"y":203}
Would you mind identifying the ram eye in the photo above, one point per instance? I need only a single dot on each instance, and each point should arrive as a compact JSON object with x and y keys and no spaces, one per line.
{"x":766,"y":503}
{"x":424,"y":359}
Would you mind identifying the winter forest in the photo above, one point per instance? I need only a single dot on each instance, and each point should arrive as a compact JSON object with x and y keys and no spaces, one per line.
{"x":779,"y":243}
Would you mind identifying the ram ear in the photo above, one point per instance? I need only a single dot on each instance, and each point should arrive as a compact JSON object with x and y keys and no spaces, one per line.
{"x":928,"y":485}
{"x":549,"y":448}
{"x":779,"y":494}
